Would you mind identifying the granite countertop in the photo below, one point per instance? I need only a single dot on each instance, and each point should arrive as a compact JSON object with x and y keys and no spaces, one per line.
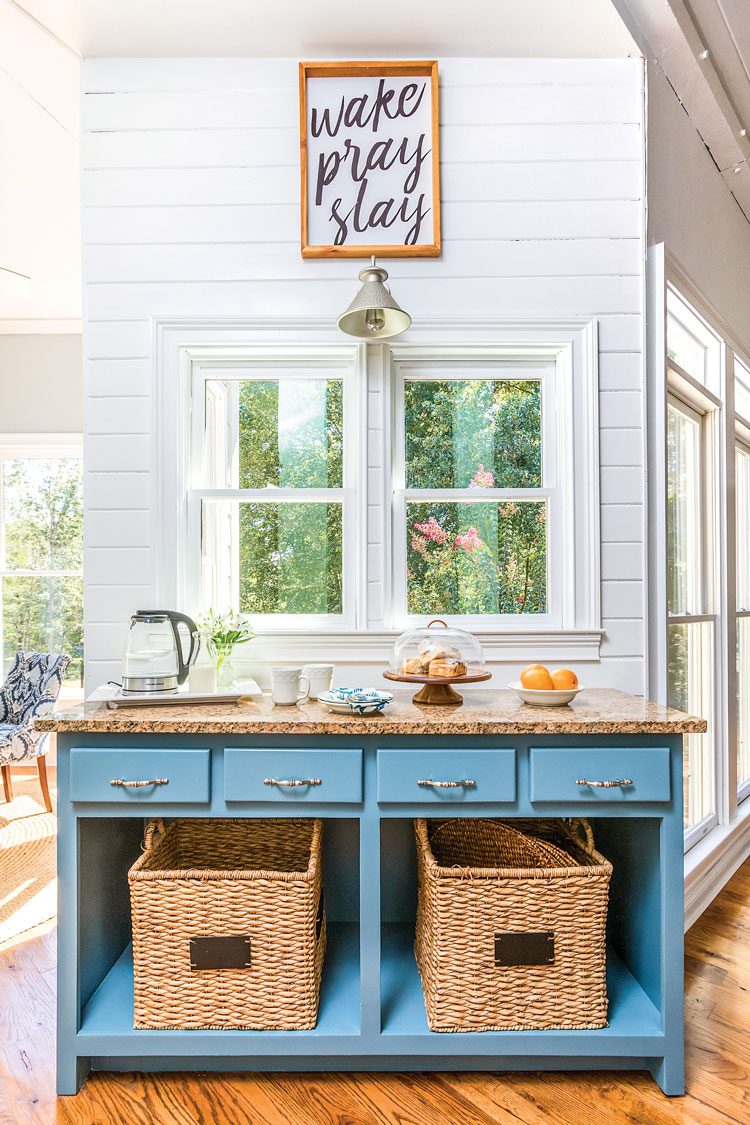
{"x":594,"y":711}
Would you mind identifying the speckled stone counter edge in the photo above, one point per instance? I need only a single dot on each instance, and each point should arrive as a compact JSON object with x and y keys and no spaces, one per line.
{"x":595,"y":711}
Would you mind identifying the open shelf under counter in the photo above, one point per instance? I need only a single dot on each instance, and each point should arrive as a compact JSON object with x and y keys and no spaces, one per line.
{"x":107,"y":1024}
{"x":634,"y":1025}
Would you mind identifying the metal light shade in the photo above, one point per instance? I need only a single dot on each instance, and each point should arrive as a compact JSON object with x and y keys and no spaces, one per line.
{"x":373,"y":314}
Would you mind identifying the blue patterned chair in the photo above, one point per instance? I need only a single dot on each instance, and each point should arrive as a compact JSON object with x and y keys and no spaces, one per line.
{"x":31,"y":688}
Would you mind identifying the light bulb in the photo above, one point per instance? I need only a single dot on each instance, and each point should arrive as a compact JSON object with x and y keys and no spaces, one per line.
{"x":375,"y":320}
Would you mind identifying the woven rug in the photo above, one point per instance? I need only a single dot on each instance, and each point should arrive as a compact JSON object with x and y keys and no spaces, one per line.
{"x":28,"y":883}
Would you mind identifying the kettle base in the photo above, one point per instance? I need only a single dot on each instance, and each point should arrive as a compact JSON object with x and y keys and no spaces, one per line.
{"x":135,"y":685}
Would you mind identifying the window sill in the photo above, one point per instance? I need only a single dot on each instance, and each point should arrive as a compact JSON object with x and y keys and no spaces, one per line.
{"x":374,"y":647}
{"x":710,"y":864}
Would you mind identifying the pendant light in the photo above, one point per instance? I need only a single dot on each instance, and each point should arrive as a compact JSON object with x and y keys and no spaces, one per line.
{"x":373,"y":314}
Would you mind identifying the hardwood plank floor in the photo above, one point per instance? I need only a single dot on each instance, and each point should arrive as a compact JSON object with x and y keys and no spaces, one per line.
{"x":718,"y":1061}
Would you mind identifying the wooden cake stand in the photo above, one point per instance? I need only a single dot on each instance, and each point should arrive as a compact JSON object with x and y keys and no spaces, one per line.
{"x":438,"y":689}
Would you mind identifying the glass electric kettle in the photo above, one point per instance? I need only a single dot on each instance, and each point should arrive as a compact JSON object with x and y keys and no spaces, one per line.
{"x":153,"y":658}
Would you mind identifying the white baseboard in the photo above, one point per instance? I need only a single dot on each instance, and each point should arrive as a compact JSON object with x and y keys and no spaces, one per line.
{"x":710,"y":864}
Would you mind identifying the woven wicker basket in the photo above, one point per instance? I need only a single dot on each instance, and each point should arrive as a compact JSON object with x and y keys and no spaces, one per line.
{"x":480,"y":879}
{"x":257,"y":879}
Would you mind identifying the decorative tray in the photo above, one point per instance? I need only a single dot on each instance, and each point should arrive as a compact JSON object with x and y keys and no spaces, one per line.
{"x":113,"y":696}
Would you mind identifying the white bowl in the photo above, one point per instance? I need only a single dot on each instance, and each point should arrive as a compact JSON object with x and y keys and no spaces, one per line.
{"x":537,"y":698}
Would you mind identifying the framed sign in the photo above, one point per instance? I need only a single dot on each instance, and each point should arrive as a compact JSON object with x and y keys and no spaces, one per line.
{"x":369,"y":159}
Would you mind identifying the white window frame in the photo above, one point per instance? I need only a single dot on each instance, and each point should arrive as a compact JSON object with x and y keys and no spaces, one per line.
{"x":741,"y":442}
{"x":429,"y":364}
{"x":40,"y":446}
{"x":367,"y":636}
{"x":262,"y":362}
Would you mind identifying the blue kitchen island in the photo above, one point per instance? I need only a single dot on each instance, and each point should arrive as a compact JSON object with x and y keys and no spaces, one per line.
{"x":611,"y":757}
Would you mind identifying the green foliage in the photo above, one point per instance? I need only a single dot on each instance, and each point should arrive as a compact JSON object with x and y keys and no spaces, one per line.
{"x":290,"y":558}
{"x":500,"y":568}
{"x":459,"y":434}
{"x":291,"y":436}
{"x":455,"y":426}
{"x":291,"y":433}
{"x":43,"y":528}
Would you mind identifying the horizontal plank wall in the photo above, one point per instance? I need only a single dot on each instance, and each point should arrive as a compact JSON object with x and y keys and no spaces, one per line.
{"x":190,"y":208}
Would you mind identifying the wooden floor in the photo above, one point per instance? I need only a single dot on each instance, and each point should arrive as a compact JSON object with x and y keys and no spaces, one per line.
{"x":718,"y":1056}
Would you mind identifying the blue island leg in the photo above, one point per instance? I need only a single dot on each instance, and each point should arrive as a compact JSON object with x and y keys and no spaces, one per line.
{"x":72,"y":1071}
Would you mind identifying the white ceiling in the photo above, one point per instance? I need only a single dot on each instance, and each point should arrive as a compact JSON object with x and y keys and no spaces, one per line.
{"x":331,"y":28}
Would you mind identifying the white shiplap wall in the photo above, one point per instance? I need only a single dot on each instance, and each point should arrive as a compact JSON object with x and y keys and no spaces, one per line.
{"x":190,"y":209}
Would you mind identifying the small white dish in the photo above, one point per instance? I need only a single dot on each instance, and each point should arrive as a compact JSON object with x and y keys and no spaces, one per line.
{"x":536,"y":698}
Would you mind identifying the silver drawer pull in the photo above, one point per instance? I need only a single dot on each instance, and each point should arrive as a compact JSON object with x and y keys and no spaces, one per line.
{"x":623,"y":781}
{"x":140,"y":784}
{"x":290,"y":783}
{"x":428,"y":783}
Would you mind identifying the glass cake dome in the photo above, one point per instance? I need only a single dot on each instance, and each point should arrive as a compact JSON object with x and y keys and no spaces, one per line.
{"x":437,"y":651}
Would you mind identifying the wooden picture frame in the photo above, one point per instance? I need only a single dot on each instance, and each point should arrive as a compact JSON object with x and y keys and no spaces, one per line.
{"x":335,"y":169}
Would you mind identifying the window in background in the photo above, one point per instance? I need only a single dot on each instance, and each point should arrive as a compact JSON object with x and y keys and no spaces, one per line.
{"x":272,"y":492}
{"x":41,"y":551}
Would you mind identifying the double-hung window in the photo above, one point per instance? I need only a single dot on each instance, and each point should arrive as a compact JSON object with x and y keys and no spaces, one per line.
{"x":273,"y":507}
{"x":349,"y":489}
{"x":477,"y":492}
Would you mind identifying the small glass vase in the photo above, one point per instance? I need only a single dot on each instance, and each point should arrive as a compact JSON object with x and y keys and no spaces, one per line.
{"x":226,"y":674}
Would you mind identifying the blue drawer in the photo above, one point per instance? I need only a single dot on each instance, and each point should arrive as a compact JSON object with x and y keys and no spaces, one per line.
{"x":176,"y":776}
{"x":441,"y":777}
{"x":292,"y":775}
{"x":558,"y":775}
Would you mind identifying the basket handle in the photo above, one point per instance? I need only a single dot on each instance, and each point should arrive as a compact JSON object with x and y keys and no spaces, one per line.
{"x":581,"y":831}
{"x":154,"y":831}
{"x":436,"y":621}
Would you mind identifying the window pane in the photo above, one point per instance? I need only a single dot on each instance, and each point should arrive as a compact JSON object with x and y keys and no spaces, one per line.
{"x":691,"y":343}
{"x":742,"y":494}
{"x":683,"y":348}
{"x":274,"y":433}
{"x":689,"y":676}
{"x":42,"y":513}
{"x":473,"y":433}
{"x":743,"y":699}
{"x":44,"y":615}
{"x":741,"y":389}
{"x":476,"y":557}
{"x":683,"y":513}
{"x":273,"y":557}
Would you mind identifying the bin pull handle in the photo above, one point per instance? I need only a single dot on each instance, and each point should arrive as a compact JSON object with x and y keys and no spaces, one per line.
{"x":141,"y":783}
{"x":291,"y":783}
{"x":428,"y":783}
{"x":623,"y":781}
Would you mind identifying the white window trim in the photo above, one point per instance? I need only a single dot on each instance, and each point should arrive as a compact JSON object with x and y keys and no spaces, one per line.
{"x":344,"y":361}
{"x":570,"y":344}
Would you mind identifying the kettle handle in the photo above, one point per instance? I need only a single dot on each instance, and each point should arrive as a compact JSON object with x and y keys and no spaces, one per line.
{"x":176,"y":619}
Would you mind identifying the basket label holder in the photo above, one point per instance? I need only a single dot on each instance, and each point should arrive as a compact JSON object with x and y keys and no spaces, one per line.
{"x":525,"y":948}
{"x":228,"y":952}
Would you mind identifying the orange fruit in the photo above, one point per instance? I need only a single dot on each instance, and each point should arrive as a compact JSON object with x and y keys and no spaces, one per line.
{"x":537,"y":678}
{"x":564,"y":679}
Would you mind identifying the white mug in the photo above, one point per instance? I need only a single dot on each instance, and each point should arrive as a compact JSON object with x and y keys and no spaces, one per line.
{"x":320,"y":678}
{"x":286,"y":689}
